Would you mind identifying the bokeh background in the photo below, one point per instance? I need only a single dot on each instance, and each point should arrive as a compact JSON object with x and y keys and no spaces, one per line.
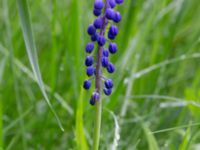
{"x":156,"y":100}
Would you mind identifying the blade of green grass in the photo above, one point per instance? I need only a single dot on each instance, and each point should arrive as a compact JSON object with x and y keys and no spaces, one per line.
{"x":80,"y":137}
{"x":32,"y":52}
{"x":186,"y":140}
{"x":116,"y":138}
{"x":153,"y":145}
{"x":2,"y":67}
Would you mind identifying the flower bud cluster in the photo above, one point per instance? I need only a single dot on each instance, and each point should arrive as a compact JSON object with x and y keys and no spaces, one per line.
{"x":106,"y":16}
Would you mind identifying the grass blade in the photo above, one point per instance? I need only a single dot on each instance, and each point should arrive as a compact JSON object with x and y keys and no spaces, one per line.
{"x":32,"y":52}
{"x":150,"y":138}
{"x":2,"y":67}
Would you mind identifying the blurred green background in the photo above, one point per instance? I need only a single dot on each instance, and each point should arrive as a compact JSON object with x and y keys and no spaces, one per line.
{"x":156,"y":100}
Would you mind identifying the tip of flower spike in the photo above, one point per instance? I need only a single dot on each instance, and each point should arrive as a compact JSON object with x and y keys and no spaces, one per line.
{"x":86,"y":84}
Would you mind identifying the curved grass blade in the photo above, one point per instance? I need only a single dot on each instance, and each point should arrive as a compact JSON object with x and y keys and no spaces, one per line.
{"x":116,"y":139}
{"x":32,"y":52}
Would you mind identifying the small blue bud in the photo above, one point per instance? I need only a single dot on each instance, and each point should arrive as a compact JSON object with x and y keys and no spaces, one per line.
{"x":112,"y":48}
{"x":95,"y":96}
{"x":91,"y":30}
{"x":110,"y":36}
{"x":94,"y":37}
{"x":119,"y":1}
{"x":110,"y":68}
{"x":98,"y":22}
{"x":104,"y":61}
{"x":97,"y":12}
{"x":86,"y":84}
{"x":105,"y":53}
{"x":92,"y":101}
{"x":108,"y":84}
{"x":101,"y":40}
{"x":89,"y":60}
{"x":117,"y":17}
{"x":98,"y":4}
{"x":107,"y":91}
{"x":112,"y":3}
{"x":89,"y":47}
{"x":90,"y":71}
{"x":113,"y":30}
{"x":110,"y":14}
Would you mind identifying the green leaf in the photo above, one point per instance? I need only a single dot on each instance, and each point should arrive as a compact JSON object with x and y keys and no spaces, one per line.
{"x":32,"y":52}
{"x":150,"y":138}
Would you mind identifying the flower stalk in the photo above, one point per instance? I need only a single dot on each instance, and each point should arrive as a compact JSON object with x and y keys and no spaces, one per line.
{"x":97,"y":32}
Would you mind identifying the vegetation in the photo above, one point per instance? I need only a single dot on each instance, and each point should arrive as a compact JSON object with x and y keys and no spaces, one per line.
{"x":156,"y":96}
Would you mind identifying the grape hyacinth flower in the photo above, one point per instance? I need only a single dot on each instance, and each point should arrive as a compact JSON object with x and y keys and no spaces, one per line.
{"x":107,"y":18}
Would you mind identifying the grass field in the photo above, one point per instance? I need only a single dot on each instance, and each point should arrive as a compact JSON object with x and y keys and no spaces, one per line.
{"x":155,"y":104}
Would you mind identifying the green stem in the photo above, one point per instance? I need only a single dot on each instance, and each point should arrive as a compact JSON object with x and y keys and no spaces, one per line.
{"x":1,"y":124}
{"x":97,"y":126}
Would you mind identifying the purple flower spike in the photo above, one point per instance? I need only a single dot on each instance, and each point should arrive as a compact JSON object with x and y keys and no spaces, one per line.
{"x":106,"y":16}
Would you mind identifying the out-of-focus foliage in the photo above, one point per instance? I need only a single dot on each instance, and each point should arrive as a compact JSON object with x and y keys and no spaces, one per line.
{"x":156,"y":99}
